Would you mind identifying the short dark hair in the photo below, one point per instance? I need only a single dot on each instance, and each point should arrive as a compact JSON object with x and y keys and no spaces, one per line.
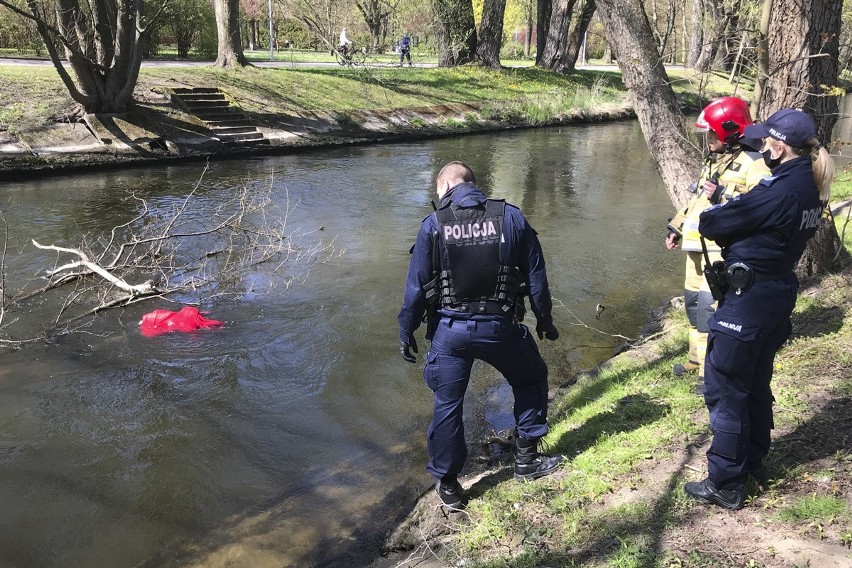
{"x":454,"y":171}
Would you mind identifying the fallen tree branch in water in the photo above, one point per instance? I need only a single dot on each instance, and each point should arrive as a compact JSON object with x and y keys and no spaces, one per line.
{"x":207,"y":244}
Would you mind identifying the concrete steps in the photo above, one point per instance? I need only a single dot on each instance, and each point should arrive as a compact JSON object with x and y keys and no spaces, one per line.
{"x":227,"y":121}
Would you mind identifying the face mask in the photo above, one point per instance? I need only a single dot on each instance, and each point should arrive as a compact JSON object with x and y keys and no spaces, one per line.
{"x":769,"y":160}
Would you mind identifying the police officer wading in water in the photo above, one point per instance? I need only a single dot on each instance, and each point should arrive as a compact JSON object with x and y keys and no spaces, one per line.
{"x":471,"y":262}
{"x":763,"y":233}
{"x":733,"y":166}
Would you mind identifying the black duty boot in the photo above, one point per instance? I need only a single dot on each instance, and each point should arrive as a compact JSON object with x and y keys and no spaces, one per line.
{"x":529,"y":464}
{"x":450,"y":493}
{"x":707,"y":492}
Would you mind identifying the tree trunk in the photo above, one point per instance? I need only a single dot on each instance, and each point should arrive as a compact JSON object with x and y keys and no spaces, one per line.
{"x":491,"y":33}
{"x":230,"y":52}
{"x":819,"y":256}
{"x":455,"y":31}
{"x":714,"y":23}
{"x":556,"y":46}
{"x":662,"y":122}
{"x":542,"y":26}
{"x":697,"y":33}
{"x":803,"y":61}
{"x":762,"y":58}
{"x":103,"y":42}
{"x":577,"y":36}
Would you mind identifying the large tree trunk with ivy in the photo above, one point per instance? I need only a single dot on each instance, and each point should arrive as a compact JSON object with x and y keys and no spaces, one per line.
{"x":455,"y":31}
{"x":103,"y":42}
{"x":662,"y":122}
{"x":230,"y":51}
{"x":803,"y":67}
{"x":491,"y":33}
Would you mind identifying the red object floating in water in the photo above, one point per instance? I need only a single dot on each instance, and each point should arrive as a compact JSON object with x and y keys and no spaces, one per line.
{"x":163,"y":321}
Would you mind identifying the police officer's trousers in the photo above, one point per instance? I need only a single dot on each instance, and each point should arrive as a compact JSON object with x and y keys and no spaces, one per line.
{"x":507,"y":346}
{"x":745,"y":334}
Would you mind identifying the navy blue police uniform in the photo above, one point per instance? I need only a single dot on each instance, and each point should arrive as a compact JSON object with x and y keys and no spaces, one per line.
{"x":485,"y":254}
{"x":763,"y":233}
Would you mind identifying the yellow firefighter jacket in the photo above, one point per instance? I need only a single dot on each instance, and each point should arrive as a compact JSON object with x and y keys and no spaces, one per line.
{"x":738,"y":172}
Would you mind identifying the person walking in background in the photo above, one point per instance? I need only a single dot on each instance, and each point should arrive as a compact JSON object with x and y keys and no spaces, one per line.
{"x":472,"y":261}
{"x":763,"y":234}
{"x":405,"y":49}
{"x":733,"y":167}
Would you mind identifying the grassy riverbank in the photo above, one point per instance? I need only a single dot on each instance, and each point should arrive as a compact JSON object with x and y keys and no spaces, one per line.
{"x":634,"y":433}
{"x":32,"y":97}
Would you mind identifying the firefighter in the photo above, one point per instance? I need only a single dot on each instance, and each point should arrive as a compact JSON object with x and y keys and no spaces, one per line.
{"x":733,"y":166}
{"x":763,"y":234}
{"x":474,"y":257}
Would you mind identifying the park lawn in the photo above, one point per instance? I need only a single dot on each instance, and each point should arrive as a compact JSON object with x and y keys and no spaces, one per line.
{"x":32,"y":97}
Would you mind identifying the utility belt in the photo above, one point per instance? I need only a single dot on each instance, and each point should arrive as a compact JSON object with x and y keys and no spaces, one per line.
{"x":484,"y":307}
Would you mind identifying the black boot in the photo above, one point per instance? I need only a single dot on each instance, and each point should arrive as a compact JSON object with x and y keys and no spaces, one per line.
{"x":529,"y":464}
{"x":450,"y":492}
{"x":707,"y":492}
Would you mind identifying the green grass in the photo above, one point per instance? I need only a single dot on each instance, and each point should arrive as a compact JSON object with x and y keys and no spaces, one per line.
{"x":526,"y":93}
{"x":818,"y":508}
{"x":841,"y":189}
{"x":608,"y":507}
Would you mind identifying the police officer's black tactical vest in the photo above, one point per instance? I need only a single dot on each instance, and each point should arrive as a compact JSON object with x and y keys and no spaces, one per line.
{"x":476,"y":281}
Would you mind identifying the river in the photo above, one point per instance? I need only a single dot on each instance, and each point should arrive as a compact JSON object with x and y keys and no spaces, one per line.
{"x":294,"y":435}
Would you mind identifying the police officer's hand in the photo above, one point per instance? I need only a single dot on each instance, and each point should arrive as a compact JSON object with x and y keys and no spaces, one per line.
{"x":406,"y":349}
{"x":547,"y":331}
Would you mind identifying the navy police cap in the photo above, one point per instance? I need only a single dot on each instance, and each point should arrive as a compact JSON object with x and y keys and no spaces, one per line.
{"x":788,"y":125}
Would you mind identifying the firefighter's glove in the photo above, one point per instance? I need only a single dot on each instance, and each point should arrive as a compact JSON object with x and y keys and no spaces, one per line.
{"x":406,"y":348}
{"x":548,"y":331}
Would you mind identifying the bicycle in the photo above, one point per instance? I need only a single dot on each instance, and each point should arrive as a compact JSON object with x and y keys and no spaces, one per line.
{"x":350,"y":56}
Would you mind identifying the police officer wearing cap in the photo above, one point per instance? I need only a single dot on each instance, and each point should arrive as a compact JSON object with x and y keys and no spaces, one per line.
{"x":763,"y":233}
{"x":733,"y":166}
{"x":474,"y":258}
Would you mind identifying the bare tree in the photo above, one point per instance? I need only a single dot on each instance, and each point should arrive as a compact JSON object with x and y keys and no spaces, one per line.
{"x":321,"y":17}
{"x":103,"y":42}
{"x":376,"y":15}
{"x":197,"y":247}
